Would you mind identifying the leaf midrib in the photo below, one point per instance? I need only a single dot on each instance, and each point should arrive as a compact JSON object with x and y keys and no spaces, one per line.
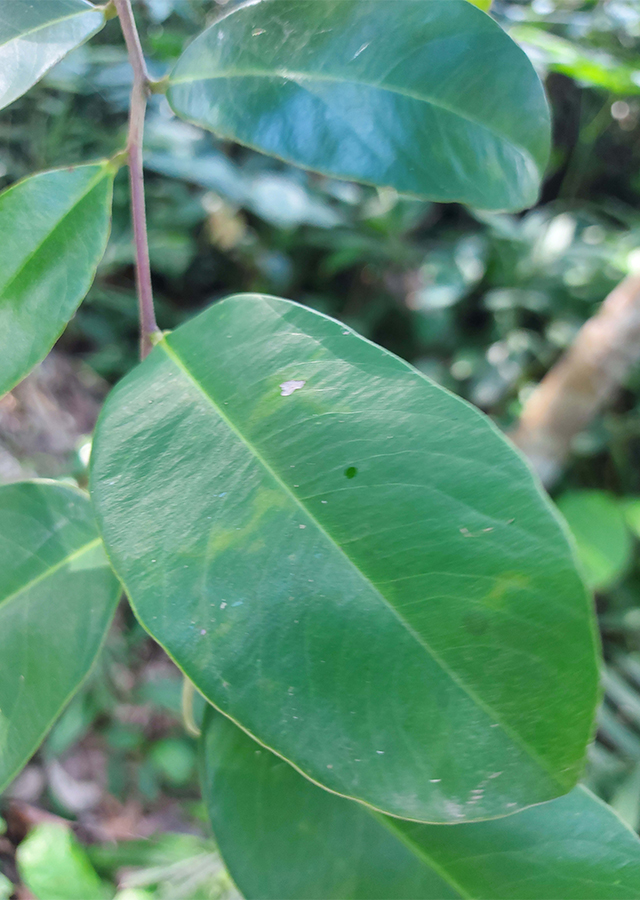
{"x":4,"y":288}
{"x":388,"y":823}
{"x":173,"y":357}
{"x":4,"y":601}
{"x":49,"y":24}
{"x":331,"y":79}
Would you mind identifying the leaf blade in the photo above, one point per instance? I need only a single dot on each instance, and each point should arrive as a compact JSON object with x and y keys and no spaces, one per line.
{"x":318,"y":583}
{"x":51,"y":559}
{"x":54,"y":228}
{"x":365,"y":102}
{"x":282,"y":837}
{"x":35,"y":36}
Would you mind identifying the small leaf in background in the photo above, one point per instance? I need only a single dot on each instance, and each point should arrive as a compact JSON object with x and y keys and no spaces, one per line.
{"x":57,"y":598}
{"x":165,"y":866}
{"x":380,"y":91}
{"x":283,"y":838}
{"x":591,"y":67}
{"x":349,"y":561}
{"x":631,"y":509}
{"x":449,"y":273}
{"x":597,"y":522}
{"x":175,"y":759}
{"x":54,"y":866}
{"x":35,"y":36}
{"x":53,"y":232}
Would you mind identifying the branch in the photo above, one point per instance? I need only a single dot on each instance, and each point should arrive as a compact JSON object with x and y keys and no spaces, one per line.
{"x":139,"y":94}
{"x":582,"y":381}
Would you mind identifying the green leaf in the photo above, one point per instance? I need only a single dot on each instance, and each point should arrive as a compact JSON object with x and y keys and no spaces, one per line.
{"x":57,"y":598}
{"x":385,"y":92}
{"x":597,"y":521}
{"x":631,"y":510}
{"x":283,"y":838}
{"x":34,"y":36}
{"x":6,"y":888}
{"x":349,"y":561}
{"x":53,"y":232}
{"x":54,"y":866}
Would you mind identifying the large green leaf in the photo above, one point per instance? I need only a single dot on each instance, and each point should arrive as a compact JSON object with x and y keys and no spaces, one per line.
{"x":57,"y":597}
{"x":350,"y":562}
{"x":428,"y":96}
{"x":35,"y":35}
{"x":283,"y":838}
{"x":53,"y":232}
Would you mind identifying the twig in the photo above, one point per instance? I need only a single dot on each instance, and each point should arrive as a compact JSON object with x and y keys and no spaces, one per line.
{"x":139,"y":94}
{"x":582,"y":381}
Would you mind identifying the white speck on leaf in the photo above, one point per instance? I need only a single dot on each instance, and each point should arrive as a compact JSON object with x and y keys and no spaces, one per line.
{"x":454,"y":809}
{"x":435,"y":780}
{"x":203,"y":631}
{"x":361,"y":50}
{"x":379,"y":752}
{"x":223,"y":604}
{"x":288,"y":387}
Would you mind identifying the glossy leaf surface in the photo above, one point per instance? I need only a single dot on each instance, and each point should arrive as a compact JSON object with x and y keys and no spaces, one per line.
{"x":283,"y":837}
{"x":430,"y":97}
{"x":53,"y":232}
{"x":57,"y":598}
{"x":349,"y":561}
{"x":35,"y":35}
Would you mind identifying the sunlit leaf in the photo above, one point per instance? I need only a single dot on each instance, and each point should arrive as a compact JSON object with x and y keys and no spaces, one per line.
{"x":386,"y":92}
{"x":57,"y":597}
{"x":54,"y":866}
{"x":349,"y":561}
{"x":34,"y":36}
{"x":53,"y":232}
{"x":595,"y":68}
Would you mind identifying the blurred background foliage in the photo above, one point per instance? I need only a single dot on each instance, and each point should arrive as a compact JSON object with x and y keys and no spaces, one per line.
{"x":484,"y":303}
